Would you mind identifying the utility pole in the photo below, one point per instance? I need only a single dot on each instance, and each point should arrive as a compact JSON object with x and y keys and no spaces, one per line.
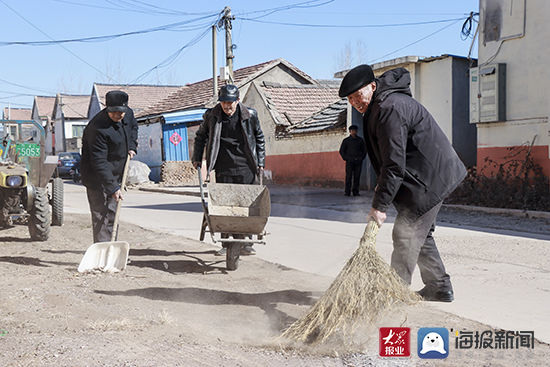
{"x":214,"y":63}
{"x":227,"y":17}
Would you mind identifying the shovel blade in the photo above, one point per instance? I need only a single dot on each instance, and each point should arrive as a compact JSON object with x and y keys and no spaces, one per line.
{"x":109,"y":257}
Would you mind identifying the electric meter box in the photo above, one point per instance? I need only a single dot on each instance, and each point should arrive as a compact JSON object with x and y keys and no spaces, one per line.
{"x":488,"y":93}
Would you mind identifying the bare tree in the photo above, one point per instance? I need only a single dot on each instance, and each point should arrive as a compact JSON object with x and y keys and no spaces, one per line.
{"x":114,"y":72}
{"x":167,"y":77}
{"x":349,"y":56}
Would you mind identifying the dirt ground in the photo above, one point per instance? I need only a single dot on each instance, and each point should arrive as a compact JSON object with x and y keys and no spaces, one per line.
{"x":175,"y":305}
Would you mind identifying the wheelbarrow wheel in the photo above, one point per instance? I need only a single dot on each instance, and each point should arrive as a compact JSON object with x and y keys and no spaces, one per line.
{"x":232,"y":256}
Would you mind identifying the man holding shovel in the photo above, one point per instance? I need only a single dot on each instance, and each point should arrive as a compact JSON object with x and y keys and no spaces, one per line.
{"x":234,"y":141}
{"x":108,"y":139}
{"x":416,"y":167}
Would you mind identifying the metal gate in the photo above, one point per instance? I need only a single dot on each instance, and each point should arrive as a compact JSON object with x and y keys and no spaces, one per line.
{"x":174,"y":137}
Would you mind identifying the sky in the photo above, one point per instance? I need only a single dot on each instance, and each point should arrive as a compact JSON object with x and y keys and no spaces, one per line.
{"x":171,"y":41}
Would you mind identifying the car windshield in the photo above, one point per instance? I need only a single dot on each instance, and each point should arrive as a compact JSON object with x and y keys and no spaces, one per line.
{"x":74,"y":156}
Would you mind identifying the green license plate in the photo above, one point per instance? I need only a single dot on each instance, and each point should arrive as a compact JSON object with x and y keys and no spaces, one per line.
{"x":28,"y":150}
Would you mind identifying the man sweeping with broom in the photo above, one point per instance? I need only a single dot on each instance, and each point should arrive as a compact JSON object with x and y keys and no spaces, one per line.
{"x":416,"y":169}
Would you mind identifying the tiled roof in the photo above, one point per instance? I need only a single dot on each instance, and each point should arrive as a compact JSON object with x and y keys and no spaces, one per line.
{"x":45,"y":105}
{"x":17,"y":113}
{"x":75,"y":106}
{"x":331,"y":117}
{"x":290,"y":104}
{"x":199,"y":94}
{"x":139,"y":96}
{"x":334,"y":83}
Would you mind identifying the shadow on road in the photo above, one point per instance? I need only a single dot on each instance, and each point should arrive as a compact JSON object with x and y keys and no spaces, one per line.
{"x":33,"y":261}
{"x":179,"y":266}
{"x":65,"y":252}
{"x":14,"y":239}
{"x":153,"y":252}
{"x":265,"y":301}
{"x":190,"y":207}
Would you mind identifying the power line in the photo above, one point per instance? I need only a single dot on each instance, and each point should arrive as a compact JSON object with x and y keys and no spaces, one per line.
{"x":172,"y":26}
{"x":354,"y":26}
{"x":26,"y":87}
{"x":301,"y":5}
{"x":47,"y":35}
{"x":415,"y":42}
{"x":117,"y":7}
{"x":173,"y":57}
{"x":15,"y":94}
{"x":160,"y":10}
{"x":15,"y":104}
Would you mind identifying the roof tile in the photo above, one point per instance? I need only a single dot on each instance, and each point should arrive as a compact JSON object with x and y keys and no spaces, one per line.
{"x":17,"y":113}
{"x":199,"y":94}
{"x":294,"y":103}
{"x":140,"y":96}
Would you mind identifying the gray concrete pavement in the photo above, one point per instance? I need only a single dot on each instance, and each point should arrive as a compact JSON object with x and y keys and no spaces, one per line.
{"x":500,"y":265}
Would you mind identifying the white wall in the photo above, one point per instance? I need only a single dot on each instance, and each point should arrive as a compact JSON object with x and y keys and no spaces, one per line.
{"x":527,"y":73}
{"x":434,"y":80}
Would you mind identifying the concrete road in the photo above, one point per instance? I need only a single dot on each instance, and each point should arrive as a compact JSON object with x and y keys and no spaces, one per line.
{"x":500,"y":277}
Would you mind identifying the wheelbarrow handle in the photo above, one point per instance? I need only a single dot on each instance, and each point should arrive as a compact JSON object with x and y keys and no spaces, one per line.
{"x":201,"y":184}
{"x":204,"y":206}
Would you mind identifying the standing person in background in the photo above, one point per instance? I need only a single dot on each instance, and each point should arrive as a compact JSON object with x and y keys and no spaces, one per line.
{"x":353,"y":150}
{"x":416,"y":167}
{"x":108,"y":139}
{"x":234,"y":142}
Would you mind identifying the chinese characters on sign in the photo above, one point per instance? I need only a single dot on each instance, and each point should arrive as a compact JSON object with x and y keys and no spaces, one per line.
{"x":499,"y":339}
{"x":395,"y":342}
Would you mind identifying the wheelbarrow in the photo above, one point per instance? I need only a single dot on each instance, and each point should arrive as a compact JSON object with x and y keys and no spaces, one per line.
{"x":235,"y":216}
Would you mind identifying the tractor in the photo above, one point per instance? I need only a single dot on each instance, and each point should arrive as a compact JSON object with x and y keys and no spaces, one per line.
{"x":27,"y":189}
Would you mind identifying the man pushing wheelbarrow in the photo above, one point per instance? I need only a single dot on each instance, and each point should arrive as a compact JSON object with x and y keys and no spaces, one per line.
{"x":235,"y":150}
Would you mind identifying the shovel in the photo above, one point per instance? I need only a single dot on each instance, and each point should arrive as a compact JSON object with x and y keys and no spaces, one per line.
{"x":109,"y":257}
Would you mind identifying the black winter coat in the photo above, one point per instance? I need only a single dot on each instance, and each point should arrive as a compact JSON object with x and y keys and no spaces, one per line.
{"x":416,"y":164}
{"x":210,"y":131}
{"x":353,"y":149}
{"x":105,"y":146}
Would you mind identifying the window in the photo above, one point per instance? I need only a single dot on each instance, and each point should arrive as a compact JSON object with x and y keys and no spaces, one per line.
{"x":78,"y":131}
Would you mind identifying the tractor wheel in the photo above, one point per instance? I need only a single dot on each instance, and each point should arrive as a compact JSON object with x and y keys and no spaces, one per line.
{"x":39,"y":219}
{"x":57,"y":202}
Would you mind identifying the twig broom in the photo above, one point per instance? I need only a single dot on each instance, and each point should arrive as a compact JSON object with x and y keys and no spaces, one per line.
{"x":365,"y":289}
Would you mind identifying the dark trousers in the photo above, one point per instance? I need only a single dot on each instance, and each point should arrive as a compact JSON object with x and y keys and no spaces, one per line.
{"x":414,"y":244}
{"x":353,"y":174}
{"x":102,"y":207}
{"x":247,"y":178}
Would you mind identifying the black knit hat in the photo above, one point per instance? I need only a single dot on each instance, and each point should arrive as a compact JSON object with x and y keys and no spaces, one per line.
{"x":228,"y":93}
{"x":116,"y":101}
{"x":356,"y":78}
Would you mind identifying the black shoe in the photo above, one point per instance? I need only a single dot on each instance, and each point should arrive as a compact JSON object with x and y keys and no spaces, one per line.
{"x":347,"y":194}
{"x":436,"y":295}
{"x":356,"y":194}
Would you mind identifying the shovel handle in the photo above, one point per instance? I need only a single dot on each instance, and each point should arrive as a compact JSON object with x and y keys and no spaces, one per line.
{"x":114,"y":235}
